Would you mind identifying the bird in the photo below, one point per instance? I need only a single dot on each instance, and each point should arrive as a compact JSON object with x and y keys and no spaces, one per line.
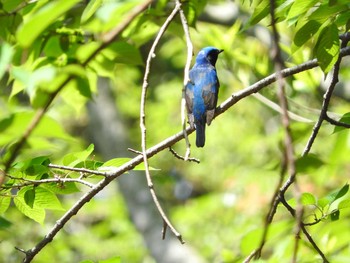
{"x":201,"y":92}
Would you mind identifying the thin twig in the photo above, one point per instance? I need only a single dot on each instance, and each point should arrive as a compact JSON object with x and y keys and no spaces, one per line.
{"x":183,"y":158}
{"x":336,"y":123}
{"x":288,"y":141}
{"x":232,"y":100}
{"x":74,"y":169}
{"x":151,"y":55}
{"x":186,"y":77}
{"x":277,"y":108}
{"x":134,"y":151}
{"x":326,"y":99}
{"x":45,"y":181}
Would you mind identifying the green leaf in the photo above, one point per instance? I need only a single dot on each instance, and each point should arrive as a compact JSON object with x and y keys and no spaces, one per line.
{"x":30,"y":30}
{"x":4,"y":223}
{"x":308,"y":163}
{"x":111,"y":260}
{"x":300,"y":7}
{"x":90,"y":9}
{"x":306,"y":32}
{"x":64,"y":188}
{"x":323,"y":202}
{"x":346,"y":119}
{"x":344,"y":204}
{"x":335,"y":215}
{"x":4,"y":203}
{"x":37,"y":165}
{"x":260,"y":12}
{"x":14,"y":125}
{"x":332,"y":197}
{"x":308,"y":199}
{"x":327,"y":47}
{"x":338,"y":194}
{"x":46,"y":199}
{"x":29,"y":197}
{"x":35,"y":213}
{"x":6,"y":53}
{"x":73,"y":159}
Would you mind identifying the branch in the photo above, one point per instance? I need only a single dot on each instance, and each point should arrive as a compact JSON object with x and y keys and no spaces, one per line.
{"x":58,"y":180}
{"x":110,"y":176}
{"x":74,"y":169}
{"x":327,"y":97}
{"x":186,"y":78}
{"x":183,"y":158}
{"x":336,"y":123}
{"x":288,"y":142}
{"x":151,"y":55}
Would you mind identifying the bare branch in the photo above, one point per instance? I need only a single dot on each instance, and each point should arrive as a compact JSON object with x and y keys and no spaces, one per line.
{"x":336,"y":123}
{"x":327,"y":97}
{"x":58,"y":180}
{"x":74,"y":169}
{"x":183,"y":158}
{"x":151,"y":55}
{"x":186,"y":77}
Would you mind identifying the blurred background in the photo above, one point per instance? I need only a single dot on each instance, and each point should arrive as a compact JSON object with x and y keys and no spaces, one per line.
{"x":219,"y":205}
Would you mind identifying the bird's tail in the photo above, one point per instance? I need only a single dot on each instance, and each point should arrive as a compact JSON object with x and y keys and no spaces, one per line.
{"x":200,"y":134}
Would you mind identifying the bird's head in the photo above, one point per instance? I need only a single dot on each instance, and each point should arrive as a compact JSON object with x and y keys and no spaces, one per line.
{"x":208,"y":54}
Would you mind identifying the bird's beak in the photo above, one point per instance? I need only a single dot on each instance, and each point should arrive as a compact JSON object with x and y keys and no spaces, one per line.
{"x":221,"y":50}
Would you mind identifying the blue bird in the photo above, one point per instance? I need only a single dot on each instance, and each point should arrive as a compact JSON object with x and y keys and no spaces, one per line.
{"x":201,"y":92}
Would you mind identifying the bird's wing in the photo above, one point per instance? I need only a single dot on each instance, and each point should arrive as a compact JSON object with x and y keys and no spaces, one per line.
{"x":210,"y":93}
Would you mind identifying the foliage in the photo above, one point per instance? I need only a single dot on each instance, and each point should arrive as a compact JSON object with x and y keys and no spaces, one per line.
{"x":52,"y":54}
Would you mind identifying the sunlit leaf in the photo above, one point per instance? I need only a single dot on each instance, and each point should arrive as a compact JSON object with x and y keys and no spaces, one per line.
{"x":90,"y":9}
{"x":323,"y":202}
{"x":41,"y":20}
{"x":327,"y":47}
{"x":111,"y":260}
{"x":14,"y":125}
{"x":338,"y":193}
{"x":46,"y":199}
{"x":260,"y":12}
{"x":308,"y":199}
{"x":6,"y":53}
{"x":299,"y":7}
{"x":35,"y":213}
{"x":4,"y":203}
{"x":72,"y":159}
{"x":344,"y":204}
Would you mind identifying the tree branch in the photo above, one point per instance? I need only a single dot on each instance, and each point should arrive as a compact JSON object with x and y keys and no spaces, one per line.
{"x":151,"y":54}
{"x":186,"y":78}
{"x":327,"y":97}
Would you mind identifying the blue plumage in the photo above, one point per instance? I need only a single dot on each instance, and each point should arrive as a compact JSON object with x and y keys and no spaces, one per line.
{"x":202,"y":92}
